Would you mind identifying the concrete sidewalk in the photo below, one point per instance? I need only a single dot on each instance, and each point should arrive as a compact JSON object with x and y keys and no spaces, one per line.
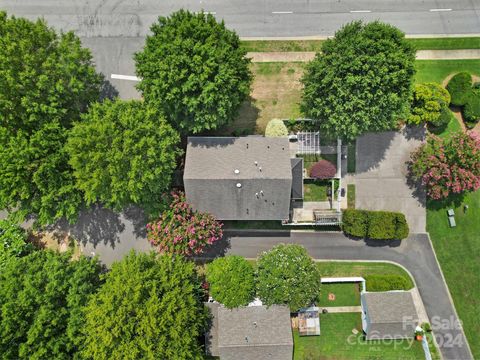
{"x":305,"y":56}
{"x":342,"y":309}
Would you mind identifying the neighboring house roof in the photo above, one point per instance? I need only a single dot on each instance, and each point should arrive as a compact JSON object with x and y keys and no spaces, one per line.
{"x":297,"y":178}
{"x":254,"y":332}
{"x":389,"y":314}
{"x":247,"y":178}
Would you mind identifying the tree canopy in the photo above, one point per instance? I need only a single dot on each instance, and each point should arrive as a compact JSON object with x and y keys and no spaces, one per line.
{"x":46,"y":82}
{"x":231,"y":281}
{"x":287,"y":275}
{"x":448,"y":166}
{"x":361,"y":80}
{"x":13,"y":241}
{"x":41,"y":300}
{"x":148,"y":308}
{"x":122,"y":153}
{"x":428,"y":102}
{"x":193,"y":69}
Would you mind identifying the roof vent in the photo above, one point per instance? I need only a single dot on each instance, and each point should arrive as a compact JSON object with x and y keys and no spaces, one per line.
{"x":260,"y":168}
{"x":255,"y":323}
{"x":261,"y":192}
{"x":236,"y":171}
{"x":256,"y":163}
{"x":239,"y":185}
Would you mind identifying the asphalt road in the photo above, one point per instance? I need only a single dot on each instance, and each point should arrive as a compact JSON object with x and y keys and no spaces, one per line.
{"x":414,"y":253}
{"x":115,"y":29}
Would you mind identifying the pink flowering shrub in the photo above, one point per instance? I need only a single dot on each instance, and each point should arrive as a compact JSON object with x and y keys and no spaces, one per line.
{"x":182,"y":230}
{"x":448,"y":166}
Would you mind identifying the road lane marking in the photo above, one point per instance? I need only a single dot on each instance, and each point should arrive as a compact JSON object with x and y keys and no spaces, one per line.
{"x":282,"y":12}
{"x":125,"y":77}
{"x":435,"y":10}
{"x":360,"y":11}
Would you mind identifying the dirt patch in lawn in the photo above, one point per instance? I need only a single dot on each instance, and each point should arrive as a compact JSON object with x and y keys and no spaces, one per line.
{"x":56,"y":241}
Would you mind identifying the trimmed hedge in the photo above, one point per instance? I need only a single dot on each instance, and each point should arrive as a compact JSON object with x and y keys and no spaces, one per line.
{"x":459,"y":87}
{"x":387,"y":282}
{"x":276,"y":128}
{"x":378,"y":225}
{"x":323,"y":169}
{"x":471,"y":110}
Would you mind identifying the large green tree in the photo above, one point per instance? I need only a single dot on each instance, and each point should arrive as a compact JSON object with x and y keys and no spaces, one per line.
{"x":361,"y":80}
{"x":148,"y":308}
{"x":231,"y":281}
{"x":193,"y":68}
{"x":13,"y":241}
{"x":46,"y":81}
{"x":287,"y":275}
{"x":123,"y":152}
{"x":41,"y":305}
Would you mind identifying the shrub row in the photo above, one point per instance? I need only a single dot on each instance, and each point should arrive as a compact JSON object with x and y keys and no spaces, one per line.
{"x":378,"y":225}
{"x":387,"y":282}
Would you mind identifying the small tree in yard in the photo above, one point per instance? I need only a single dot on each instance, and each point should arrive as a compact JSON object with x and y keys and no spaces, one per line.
{"x":276,"y":128}
{"x":231,"y":281}
{"x":323,"y":169}
{"x":182,"y":230}
{"x":194,"y":70}
{"x":429,"y":101}
{"x":287,"y":275}
{"x":450,"y":166}
{"x":361,"y":80}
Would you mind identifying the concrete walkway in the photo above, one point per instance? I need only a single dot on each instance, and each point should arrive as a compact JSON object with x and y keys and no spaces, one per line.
{"x":343,"y":309}
{"x":305,"y":56}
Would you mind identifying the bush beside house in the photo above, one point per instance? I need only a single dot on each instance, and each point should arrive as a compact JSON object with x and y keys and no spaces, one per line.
{"x":459,"y":88}
{"x":323,"y":169}
{"x":378,"y":225}
{"x":276,"y":128}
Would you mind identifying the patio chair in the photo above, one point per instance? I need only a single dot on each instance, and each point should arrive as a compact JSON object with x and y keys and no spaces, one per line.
{"x":450,"y":212}
{"x":451,"y":221}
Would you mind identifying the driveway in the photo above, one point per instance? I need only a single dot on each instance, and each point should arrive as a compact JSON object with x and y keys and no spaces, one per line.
{"x":381,"y":176}
{"x":414,"y":253}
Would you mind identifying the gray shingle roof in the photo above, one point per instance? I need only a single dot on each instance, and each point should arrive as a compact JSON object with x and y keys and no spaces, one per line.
{"x":246,"y":178}
{"x":297,"y":178}
{"x":389,"y":307}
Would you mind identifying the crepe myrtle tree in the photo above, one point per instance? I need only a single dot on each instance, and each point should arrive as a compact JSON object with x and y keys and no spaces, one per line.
{"x":448,"y":166}
{"x":183,"y":230}
{"x":194,"y":70}
{"x":287,"y":275}
{"x":360,"y":81}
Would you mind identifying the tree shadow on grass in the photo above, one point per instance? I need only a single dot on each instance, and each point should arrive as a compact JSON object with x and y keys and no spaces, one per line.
{"x":245,"y":123}
{"x":376,"y":243}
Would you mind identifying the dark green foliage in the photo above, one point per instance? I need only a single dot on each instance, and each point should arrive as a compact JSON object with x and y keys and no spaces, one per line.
{"x":41,"y":297}
{"x":231,"y":281}
{"x":387,"y":282}
{"x":471,"y":110}
{"x":287,"y":275}
{"x":355,"y":222}
{"x":378,"y":225}
{"x":443,"y":120}
{"x":13,"y":241}
{"x":194,"y":70}
{"x":361,"y":80}
{"x":459,"y":87}
{"x":149,"y":308}
{"x":123,"y":153}
{"x":46,"y":81}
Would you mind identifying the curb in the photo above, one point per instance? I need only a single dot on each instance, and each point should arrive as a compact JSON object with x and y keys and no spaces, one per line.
{"x":325,"y":37}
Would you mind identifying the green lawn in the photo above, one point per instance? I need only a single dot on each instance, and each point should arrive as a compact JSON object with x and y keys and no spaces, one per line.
{"x":315,"y":45}
{"x":316,"y":191}
{"x":343,"y":268}
{"x":452,"y":127}
{"x":338,"y":342}
{"x":458,"y":251}
{"x":438,"y":70}
{"x":346,"y":294}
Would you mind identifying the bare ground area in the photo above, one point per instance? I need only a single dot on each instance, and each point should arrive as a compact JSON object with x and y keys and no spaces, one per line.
{"x":276,"y":93}
{"x":55,"y":240}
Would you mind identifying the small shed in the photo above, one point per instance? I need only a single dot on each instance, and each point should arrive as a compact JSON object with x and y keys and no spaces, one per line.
{"x":309,"y":321}
{"x":388,"y":315}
